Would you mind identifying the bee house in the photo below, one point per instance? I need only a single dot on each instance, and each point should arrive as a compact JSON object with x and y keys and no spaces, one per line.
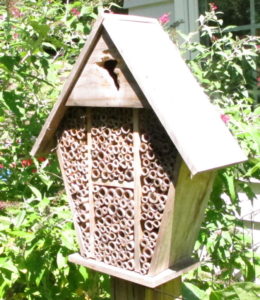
{"x":138,"y":142}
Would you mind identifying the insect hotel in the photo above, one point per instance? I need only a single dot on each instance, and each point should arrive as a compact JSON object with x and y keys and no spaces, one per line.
{"x":138,"y":142}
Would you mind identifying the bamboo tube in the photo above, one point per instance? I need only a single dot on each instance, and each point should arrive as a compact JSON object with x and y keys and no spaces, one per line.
{"x":119,"y":192}
{"x":146,"y":266}
{"x":147,"y":252}
{"x":104,"y":239}
{"x":129,"y":213}
{"x":145,"y":189}
{"x":129,"y":176}
{"x":128,"y":194}
{"x":145,"y":161}
{"x":123,"y":203}
{"x":107,"y":259}
{"x":111,"y":209}
{"x":145,"y":207}
{"x":145,"y":138}
{"x":130,"y":265}
{"x":153,"y":236}
{"x":115,"y":228}
{"x":148,"y":225}
{"x":121,"y":177}
{"x":108,"y":220}
{"x":120,"y":213}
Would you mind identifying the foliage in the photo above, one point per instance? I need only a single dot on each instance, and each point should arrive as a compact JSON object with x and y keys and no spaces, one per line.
{"x":226,"y":65}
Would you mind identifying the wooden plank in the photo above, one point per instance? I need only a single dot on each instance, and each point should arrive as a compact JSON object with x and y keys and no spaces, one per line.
{"x":44,"y":140}
{"x":71,"y":204}
{"x":137,"y":189}
{"x":114,"y":183}
{"x":191,"y":198}
{"x":184,"y":110}
{"x":162,"y":252}
{"x":149,"y":281}
{"x":99,"y":87}
{"x":126,"y":290}
{"x":91,"y":201}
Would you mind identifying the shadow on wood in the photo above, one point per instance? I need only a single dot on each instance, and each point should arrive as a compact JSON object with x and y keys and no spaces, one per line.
{"x":125,"y":290}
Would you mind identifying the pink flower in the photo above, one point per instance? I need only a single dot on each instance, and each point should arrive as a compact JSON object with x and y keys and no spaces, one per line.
{"x":26,"y":162}
{"x":41,"y":159}
{"x":258,"y":81}
{"x":16,"y":12}
{"x":15,"y":35}
{"x":1,"y":166}
{"x":225,"y":118}
{"x":75,"y":12}
{"x":164,"y":19}
{"x":213,"y":6}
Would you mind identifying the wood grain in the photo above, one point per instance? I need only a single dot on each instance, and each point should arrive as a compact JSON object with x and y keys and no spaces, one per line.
{"x":149,"y":281}
{"x":122,"y":289}
{"x":181,"y":105}
{"x":96,"y":86}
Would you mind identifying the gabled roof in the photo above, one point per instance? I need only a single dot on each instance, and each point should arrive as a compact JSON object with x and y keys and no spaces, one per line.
{"x":192,"y":123}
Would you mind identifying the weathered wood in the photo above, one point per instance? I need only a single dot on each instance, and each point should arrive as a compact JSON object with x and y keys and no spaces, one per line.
{"x":184,"y":110}
{"x":44,"y":142}
{"x":97,"y":87}
{"x":191,"y":198}
{"x":148,"y":281}
{"x":137,"y":189}
{"x":126,"y":290}
{"x":114,"y":183}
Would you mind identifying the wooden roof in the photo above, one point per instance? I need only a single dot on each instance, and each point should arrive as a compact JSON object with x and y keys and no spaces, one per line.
{"x":181,"y":105}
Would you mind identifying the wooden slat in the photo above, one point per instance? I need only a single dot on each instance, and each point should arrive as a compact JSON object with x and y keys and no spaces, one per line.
{"x":191,"y":198}
{"x":126,"y":290}
{"x":96,"y":87}
{"x":71,"y":204}
{"x":184,"y":110}
{"x":90,"y":190}
{"x":149,"y":281}
{"x":137,"y":189}
{"x":115,"y":183}
{"x":44,"y":139}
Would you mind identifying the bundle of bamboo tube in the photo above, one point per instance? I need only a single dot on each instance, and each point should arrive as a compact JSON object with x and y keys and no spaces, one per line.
{"x":72,"y":141}
{"x":112,"y":145}
{"x":156,"y":153}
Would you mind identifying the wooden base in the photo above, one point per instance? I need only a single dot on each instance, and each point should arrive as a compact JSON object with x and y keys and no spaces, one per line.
{"x":145,"y":280}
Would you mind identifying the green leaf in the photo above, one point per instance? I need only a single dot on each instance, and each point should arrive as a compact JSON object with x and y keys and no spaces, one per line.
{"x":61,"y":260}
{"x":36,"y":192}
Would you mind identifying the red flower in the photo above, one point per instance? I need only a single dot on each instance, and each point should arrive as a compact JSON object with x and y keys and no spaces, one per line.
{"x":213,"y":6}
{"x":26,"y":162}
{"x":16,"y":12}
{"x":75,"y":12}
{"x":225,"y":118}
{"x":1,"y":166}
{"x":41,"y":159}
{"x":164,"y":19}
{"x":34,"y":171}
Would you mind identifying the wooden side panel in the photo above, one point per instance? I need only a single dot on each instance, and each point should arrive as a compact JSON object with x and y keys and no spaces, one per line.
{"x":184,"y":110}
{"x":105,"y":80}
{"x":191,"y":197}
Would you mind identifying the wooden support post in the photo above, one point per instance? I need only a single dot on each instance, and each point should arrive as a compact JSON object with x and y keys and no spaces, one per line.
{"x":126,"y":290}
